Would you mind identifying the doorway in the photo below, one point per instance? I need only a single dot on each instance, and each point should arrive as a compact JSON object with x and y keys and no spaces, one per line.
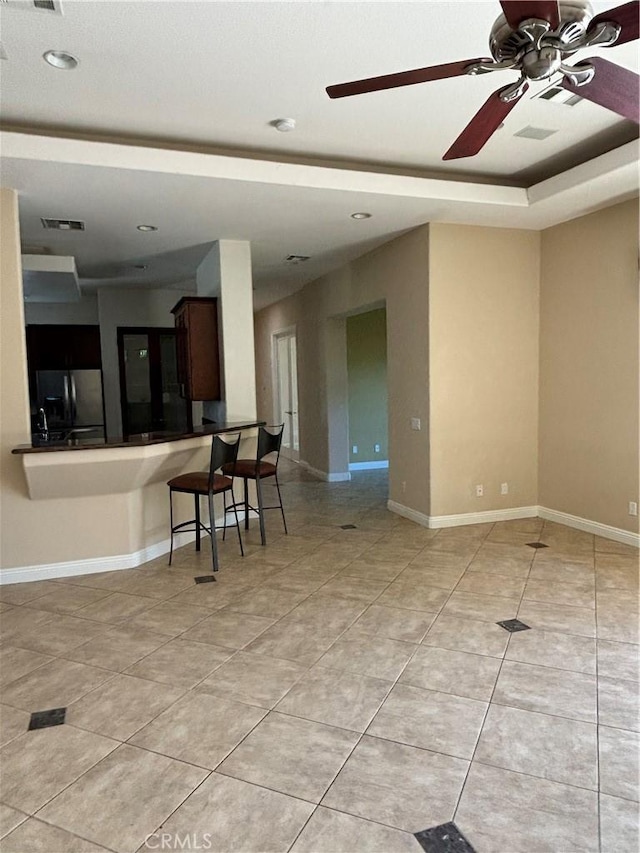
{"x":149,"y":389}
{"x":286,"y":390}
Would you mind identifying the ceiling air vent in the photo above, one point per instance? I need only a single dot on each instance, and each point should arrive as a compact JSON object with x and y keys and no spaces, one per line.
{"x":535,"y":133}
{"x":62,"y":224}
{"x":37,"y":5}
{"x":559,"y":96}
{"x":296,"y":259}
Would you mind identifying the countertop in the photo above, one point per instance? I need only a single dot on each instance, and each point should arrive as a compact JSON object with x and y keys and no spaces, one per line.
{"x":142,"y":440}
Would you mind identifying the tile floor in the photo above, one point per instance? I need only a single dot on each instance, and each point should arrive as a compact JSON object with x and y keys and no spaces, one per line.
{"x":334,"y":692}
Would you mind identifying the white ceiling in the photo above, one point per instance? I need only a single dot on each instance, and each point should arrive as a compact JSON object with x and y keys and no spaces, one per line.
{"x":211,"y":76}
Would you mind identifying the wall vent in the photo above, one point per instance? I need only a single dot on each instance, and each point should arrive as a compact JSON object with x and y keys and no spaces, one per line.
{"x":538,"y":133}
{"x":62,"y":224}
{"x":296,"y":259}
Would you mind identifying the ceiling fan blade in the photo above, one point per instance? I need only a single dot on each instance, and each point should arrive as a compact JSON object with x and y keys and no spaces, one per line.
{"x":482,"y":126}
{"x":516,"y":11}
{"x":613,"y":87}
{"x":403,"y":78}
{"x":627,"y":17}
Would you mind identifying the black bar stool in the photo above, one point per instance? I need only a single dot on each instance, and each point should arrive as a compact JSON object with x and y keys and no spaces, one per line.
{"x":269,"y":441}
{"x":223,"y":455}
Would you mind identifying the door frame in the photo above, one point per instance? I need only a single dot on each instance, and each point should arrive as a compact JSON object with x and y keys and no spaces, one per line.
{"x":287,"y":331}
{"x":155,"y":374}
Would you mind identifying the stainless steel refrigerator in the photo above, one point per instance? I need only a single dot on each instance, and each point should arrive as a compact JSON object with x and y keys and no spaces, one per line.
{"x":72,"y":399}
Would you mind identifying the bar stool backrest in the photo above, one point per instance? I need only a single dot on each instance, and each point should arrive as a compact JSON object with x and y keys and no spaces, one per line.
{"x":269,"y":441}
{"x":222,"y":453}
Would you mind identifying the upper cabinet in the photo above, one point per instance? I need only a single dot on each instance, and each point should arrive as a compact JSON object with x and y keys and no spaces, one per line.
{"x":196,"y":319}
{"x":63,"y":347}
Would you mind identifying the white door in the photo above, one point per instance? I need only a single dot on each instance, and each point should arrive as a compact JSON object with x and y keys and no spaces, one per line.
{"x":286,"y":391}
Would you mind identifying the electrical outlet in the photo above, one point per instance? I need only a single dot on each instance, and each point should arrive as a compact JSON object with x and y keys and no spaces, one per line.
{"x":404,"y":486}
{"x":633,"y":508}
{"x":479,"y":490}
{"x":376,"y":448}
{"x":504,"y":489}
{"x":354,"y":449}
{"x":415,"y":423}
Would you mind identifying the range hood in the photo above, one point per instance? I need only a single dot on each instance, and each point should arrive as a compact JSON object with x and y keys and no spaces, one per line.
{"x":49,"y":278}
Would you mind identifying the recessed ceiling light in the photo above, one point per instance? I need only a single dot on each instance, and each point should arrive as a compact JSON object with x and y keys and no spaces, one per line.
{"x":361,"y":216}
{"x":284,"y":125}
{"x":60,"y":59}
{"x":146,"y":227}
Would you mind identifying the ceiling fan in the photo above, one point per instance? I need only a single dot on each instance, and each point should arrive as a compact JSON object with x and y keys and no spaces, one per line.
{"x":535,"y":38}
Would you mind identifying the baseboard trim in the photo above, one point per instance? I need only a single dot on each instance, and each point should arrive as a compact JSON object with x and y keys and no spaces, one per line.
{"x":339,"y":477}
{"x":484,"y":517}
{"x":407,"y":512}
{"x":626,"y":537}
{"x":369,"y":466}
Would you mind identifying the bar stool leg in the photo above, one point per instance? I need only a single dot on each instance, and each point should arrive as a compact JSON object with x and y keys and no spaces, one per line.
{"x":171,"y":523}
{"x":196,"y":498}
{"x":284,"y":521}
{"x":246,"y":504}
{"x":263,"y":536}
{"x":235,"y":512}
{"x":214,"y":544}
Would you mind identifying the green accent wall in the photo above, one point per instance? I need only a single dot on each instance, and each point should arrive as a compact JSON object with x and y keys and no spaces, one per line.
{"x":367,"y":370}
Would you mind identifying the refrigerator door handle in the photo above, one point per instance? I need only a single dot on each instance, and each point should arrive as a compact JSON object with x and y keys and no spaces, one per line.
{"x":67,"y":402}
{"x":73,"y":399}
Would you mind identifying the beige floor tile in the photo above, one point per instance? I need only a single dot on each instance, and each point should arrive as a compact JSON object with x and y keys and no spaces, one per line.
{"x":235,"y":816}
{"x":269,"y":603}
{"x":619,"y":762}
{"x":615,"y":577}
{"x":136,"y":791}
{"x":122,"y":706}
{"x":159,"y":585}
{"x":374,"y":571}
{"x":291,"y":755}
{"x":299,"y":580}
{"x":459,"y":673}
{"x":21,"y":593}
{"x":377,"y":657}
{"x":57,"y":635}
{"x":610,"y":546}
{"x":467,"y":635}
{"x":200,"y":728}
{"x":34,"y":836}
{"x":118,"y":648}
{"x":180,"y":663}
{"x":559,"y":570}
{"x":66,"y":598}
{"x":326,"y":611}
{"x":211,"y":596}
{"x":13,"y":723}
{"x":511,"y":536}
{"x":430,"y":576}
{"x":618,"y":660}
{"x":524,"y":525}
{"x":17,"y":662}
{"x":330,"y":831}
{"x":54,"y":685}
{"x":546,"y":690}
{"x":548,"y":648}
{"x":394,"y":622}
{"x":296,"y":641}
{"x":580,"y":594}
{"x":491,"y":584}
{"x":355,"y":588}
{"x":229,"y":630}
{"x":170,"y":617}
{"x":535,"y":814}
{"x":441,"y":560}
{"x":619,"y":624}
{"x":618,"y":703}
{"x":619,"y":826}
{"x":39,"y":764}
{"x":413,"y":597}
{"x":487,"y":608}
{"x":253,"y":679}
{"x":431,"y":720}
{"x":398,"y":785}
{"x":540,"y":745}
{"x":117,"y":607}
{"x":9,"y":819}
{"x":558,"y":617}
{"x":336,"y":698}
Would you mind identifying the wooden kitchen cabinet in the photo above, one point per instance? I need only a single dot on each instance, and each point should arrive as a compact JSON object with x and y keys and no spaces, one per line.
{"x":63,"y":347}
{"x":196,"y":319}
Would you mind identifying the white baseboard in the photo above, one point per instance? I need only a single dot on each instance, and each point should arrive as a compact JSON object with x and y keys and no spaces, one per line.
{"x":339,"y":477}
{"x":407,"y":512}
{"x":369,"y":466}
{"x":48,"y":571}
{"x":604,"y":530}
{"x":484,"y":517}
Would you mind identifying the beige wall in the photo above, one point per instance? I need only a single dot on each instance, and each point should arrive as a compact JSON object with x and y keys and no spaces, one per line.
{"x":367,"y":372}
{"x":483,"y":327}
{"x":589,"y":366}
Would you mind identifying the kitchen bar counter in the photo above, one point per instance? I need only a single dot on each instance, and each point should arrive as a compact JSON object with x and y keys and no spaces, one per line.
{"x":142,"y":440}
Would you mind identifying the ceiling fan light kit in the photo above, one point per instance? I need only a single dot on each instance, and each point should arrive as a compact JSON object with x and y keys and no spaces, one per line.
{"x":534,"y":38}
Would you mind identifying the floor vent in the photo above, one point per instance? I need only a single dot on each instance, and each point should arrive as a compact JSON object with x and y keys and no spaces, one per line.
{"x":62,"y":224}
